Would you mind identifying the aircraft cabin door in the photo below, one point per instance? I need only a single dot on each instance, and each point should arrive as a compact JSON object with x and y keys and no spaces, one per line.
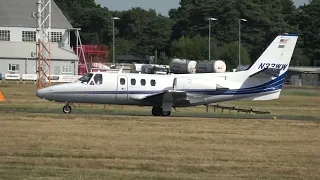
{"x":122,"y":88}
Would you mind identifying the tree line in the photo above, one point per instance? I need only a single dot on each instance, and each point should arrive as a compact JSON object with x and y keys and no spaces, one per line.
{"x":184,"y":34}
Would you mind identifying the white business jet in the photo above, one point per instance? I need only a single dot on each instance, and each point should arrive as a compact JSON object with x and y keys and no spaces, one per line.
{"x":262,"y":81}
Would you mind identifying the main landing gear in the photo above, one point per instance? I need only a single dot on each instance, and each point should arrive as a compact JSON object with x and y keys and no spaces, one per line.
{"x":158,"y":111}
{"x":67,"y":108}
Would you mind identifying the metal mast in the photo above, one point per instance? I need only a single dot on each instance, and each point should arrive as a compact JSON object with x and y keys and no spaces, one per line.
{"x":43,"y":39}
{"x":79,"y":49}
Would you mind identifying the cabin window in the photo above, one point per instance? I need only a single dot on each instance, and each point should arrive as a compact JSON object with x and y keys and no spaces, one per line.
{"x":98,"y":79}
{"x":133,"y":81}
{"x":153,"y":82}
{"x":85,"y":78}
{"x":122,"y":81}
{"x":143,"y":82}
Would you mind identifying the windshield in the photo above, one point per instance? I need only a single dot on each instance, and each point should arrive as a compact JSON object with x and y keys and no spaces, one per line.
{"x":85,"y":78}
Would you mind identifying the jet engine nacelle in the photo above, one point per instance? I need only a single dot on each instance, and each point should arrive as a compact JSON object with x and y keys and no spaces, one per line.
{"x":193,"y":83}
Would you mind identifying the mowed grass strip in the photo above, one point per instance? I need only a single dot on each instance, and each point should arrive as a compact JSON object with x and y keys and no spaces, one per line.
{"x":122,"y":147}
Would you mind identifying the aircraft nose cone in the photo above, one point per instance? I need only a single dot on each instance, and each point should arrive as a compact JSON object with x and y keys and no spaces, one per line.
{"x":41,"y":93}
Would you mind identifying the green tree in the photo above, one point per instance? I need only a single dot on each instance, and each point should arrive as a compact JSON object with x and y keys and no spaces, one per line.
{"x":309,"y":24}
{"x":230,"y":55}
{"x":195,"y":48}
{"x":266,"y":19}
{"x":146,"y":29}
{"x":185,"y":33}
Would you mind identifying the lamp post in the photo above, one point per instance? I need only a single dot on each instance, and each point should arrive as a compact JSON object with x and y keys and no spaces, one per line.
{"x":240,"y":40}
{"x":113,"y":46}
{"x":210,"y":19}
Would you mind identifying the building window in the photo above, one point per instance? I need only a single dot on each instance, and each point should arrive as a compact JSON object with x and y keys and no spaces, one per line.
{"x":122,"y":81}
{"x":66,"y":69}
{"x":153,"y":82}
{"x":13,"y":67}
{"x":4,"y":35}
{"x":56,"y":36}
{"x":29,"y":36}
{"x":57,"y":70}
{"x":133,"y":82}
{"x":143,"y":82}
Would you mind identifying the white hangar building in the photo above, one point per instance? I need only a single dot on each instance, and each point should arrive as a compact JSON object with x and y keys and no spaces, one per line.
{"x":18,"y":39}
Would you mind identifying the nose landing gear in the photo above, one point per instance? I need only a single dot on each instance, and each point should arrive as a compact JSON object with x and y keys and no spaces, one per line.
{"x":67,"y":108}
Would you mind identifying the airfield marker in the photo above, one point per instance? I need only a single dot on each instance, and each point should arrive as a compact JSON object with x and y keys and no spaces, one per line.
{"x":1,"y":97}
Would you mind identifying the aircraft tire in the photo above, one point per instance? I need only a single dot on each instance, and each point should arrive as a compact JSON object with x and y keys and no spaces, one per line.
{"x":156,"y":111}
{"x":165,"y":113}
{"x":67,"y":109}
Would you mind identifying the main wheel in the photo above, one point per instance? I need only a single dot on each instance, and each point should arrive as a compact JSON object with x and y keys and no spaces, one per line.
{"x":156,"y":111}
{"x":165,"y":113}
{"x":66,"y":109}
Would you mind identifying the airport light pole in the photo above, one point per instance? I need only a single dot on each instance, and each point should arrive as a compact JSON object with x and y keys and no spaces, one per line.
{"x":240,"y":41}
{"x":113,"y":43}
{"x":210,"y":19}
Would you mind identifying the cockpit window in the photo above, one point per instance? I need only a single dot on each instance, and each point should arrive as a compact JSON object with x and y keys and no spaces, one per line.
{"x":85,"y":78}
{"x":98,"y":79}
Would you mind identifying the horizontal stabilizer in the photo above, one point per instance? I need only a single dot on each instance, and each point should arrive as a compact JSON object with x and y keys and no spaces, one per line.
{"x":266,"y":73}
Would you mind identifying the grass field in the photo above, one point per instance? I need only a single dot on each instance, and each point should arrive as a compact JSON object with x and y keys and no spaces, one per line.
{"x":120,"y":147}
{"x":92,"y":146}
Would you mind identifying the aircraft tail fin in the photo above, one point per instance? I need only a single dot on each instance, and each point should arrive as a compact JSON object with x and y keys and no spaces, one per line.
{"x":277,"y":56}
{"x":1,"y":97}
{"x":266,"y":75}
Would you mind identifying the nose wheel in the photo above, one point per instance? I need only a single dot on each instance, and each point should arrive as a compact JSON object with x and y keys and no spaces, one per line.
{"x":67,"y":109}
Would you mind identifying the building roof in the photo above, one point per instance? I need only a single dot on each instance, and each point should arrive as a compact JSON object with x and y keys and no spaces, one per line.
{"x":24,"y":50}
{"x":17,"y":13}
{"x":298,"y":69}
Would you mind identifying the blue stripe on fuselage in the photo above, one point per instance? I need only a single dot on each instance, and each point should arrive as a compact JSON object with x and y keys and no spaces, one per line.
{"x":272,"y":85}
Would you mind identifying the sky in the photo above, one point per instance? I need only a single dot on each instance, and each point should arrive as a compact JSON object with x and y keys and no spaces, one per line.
{"x":161,"y":6}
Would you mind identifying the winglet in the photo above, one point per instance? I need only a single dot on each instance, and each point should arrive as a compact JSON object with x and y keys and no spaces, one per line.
{"x":1,"y":97}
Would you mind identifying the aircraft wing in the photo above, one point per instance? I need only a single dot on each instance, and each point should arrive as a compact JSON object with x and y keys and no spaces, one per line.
{"x":171,"y":96}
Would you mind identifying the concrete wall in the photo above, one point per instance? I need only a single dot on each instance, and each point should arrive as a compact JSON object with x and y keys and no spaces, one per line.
{"x":295,"y":80}
{"x":304,"y":79}
{"x":310,"y":79}
{"x":28,"y":66}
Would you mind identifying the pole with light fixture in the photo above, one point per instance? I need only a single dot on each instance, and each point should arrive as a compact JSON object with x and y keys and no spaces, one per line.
{"x":210,"y":19}
{"x":240,"y":41}
{"x":113,"y":43}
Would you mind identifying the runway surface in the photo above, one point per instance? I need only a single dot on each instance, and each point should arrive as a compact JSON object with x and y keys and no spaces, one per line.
{"x":173,"y":114}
